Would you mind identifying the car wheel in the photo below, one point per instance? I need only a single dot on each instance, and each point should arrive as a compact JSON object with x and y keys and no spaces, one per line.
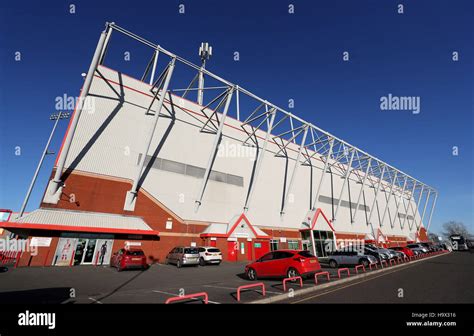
{"x":333,"y":263}
{"x":291,"y":273}
{"x":251,"y":274}
{"x":178,"y":263}
{"x":202,"y":262}
{"x":364,"y":262}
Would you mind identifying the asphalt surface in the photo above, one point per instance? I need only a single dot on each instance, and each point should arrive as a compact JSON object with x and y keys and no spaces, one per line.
{"x":445,"y":279}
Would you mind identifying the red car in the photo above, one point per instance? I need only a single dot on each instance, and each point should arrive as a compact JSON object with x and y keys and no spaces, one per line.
{"x":126,"y":259}
{"x":408,"y":252}
{"x":283,"y":263}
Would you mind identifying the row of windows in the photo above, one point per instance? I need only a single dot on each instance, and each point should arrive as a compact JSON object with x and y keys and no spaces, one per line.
{"x":330,"y":200}
{"x":190,"y":170}
{"x":292,"y":244}
{"x":400,"y":215}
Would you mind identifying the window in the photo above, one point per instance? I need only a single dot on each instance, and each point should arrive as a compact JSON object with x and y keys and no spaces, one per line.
{"x":273,"y":244}
{"x":135,"y":253}
{"x":267,"y":257}
{"x":213,"y":250}
{"x":293,"y":244}
{"x":191,"y":250}
{"x":306,"y":254}
{"x":282,"y":255}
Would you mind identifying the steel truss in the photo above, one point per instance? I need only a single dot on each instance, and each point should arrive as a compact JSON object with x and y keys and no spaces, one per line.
{"x":289,"y":132}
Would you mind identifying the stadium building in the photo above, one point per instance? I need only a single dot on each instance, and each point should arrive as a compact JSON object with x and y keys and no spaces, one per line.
{"x":161,"y":160}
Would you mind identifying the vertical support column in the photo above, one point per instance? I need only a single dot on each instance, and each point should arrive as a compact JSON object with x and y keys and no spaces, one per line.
{"x":259,"y":161}
{"x":35,"y":176}
{"x":400,"y":200}
{"x":200,"y":97}
{"x":323,"y":175}
{"x":389,"y":198}
{"x":417,"y":207}
{"x":131,"y":196}
{"x":348,"y":171}
{"x":409,"y":205}
{"x":212,"y":155}
{"x":361,"y":190}
{"x":375,"y":197}
{"x":237,"y":102}
{"x":432,"y":210}
{"x":293,"y":175}
{"x":424,"y":208}
{"x":153,"y":70}
{"x":55,"y":186}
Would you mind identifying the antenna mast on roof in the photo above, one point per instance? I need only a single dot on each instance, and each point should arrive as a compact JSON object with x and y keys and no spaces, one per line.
{"x":205,"y":52}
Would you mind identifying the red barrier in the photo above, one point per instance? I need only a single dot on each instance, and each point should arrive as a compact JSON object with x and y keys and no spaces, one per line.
{"x":343,"y":269}
{"x":290,"y":279}
{"x":383,"y":261}
{"x":374,"y":265}
{"x":259,"y":284}
{"x":359,"y":266}
{"x":189,"y":296}
{"x":321,"y":273}
{"x":399,"y":260}
{"x":392,"y":261}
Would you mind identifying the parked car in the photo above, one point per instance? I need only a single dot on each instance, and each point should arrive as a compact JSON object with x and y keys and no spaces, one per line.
{"x":387,"y":252}
{"x":350,"y":258}
{"x":283,"y":264}
{"x":398,"y":253}
{"x":209,"y":255}
{"x":417,"y":248}
{"x":376,"y":253}
{"x":183,"y":255}
{"x":128,"y":259}
{"x":408,"y":252}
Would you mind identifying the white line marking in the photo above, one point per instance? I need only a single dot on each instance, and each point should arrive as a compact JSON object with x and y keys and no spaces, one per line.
{"x":172,"y":294}
{"x":95,"y":301}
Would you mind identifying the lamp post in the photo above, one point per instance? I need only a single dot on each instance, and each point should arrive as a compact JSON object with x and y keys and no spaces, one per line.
{"x":56,"y":117}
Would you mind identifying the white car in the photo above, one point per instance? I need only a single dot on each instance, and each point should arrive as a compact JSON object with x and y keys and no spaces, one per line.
{"x":209,"y":255}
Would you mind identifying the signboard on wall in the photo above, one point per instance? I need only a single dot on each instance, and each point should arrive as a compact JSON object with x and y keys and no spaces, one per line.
{"x":64,"y":251}
{"x":41,"y":241}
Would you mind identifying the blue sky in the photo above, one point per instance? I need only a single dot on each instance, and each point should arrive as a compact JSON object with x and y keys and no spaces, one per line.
{"x":282,"y":57}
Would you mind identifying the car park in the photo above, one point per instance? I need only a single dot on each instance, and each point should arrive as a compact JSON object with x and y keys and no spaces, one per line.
{"x":418,"y":248}
{"x":283,"y":264}
{"x":209,"y":255}
{"x":183,"y":256}
{"x":350,"y":258}
{"x":129,"y":259}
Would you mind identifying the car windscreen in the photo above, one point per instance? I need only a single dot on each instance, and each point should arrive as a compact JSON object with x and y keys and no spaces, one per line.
{"x":191,"y":250}
{"x":306,"y":254}
{"x":213,"y":250}
{"x":135,"y":253}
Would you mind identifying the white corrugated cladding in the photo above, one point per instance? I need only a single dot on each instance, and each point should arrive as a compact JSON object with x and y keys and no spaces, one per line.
{"x":109,"y":141}
{"x":84,"y":219}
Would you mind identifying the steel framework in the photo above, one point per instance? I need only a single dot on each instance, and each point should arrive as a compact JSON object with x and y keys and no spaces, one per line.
{"x":313,"y":143}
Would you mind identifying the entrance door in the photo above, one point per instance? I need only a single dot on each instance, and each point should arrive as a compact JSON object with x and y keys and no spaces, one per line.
{"x":89,"y":251}
{"x":232,"y":249}
{"x":249,"y":251}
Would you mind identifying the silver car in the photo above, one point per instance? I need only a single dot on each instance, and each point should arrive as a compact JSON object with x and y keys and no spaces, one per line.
{"x":350,"y":258}
{"x":417,"y":248}
{"x":183,"y":255}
